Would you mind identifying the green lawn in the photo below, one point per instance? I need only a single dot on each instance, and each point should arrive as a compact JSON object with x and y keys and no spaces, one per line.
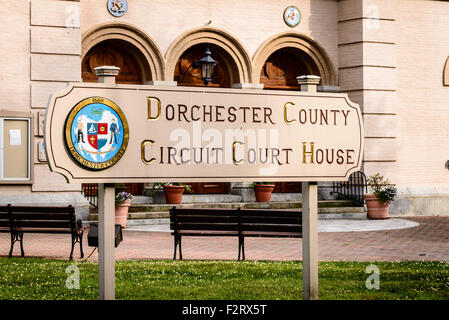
{"x":228,"y":280}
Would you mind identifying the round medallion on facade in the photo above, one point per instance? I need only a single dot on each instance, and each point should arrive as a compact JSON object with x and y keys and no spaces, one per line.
{"x":117,"y":7}
{"x":96,"y":133}
{"x":292,"y":16}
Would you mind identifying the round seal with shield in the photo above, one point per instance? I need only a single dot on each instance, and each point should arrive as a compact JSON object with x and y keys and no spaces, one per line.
{"x":96,"y":133}
{"x":292,"y":16}
{"x":117,"y":7}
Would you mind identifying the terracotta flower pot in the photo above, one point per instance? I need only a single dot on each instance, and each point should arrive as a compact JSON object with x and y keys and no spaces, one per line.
{"x":376,"y":209}
{"x":173,"y":194}
{"x":121,"y":213}
{"x":263,"y":192}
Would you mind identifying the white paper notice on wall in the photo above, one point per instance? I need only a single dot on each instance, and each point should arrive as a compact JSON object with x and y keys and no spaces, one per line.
{"x":15,"y":138}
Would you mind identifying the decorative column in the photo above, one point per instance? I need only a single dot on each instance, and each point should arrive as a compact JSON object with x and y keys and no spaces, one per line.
{"x":106,"y":74}
{"x":367,"y":71}
{"x":308,"y":83}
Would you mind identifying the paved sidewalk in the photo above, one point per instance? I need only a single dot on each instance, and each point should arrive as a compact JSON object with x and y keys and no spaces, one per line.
{"x":334,"y":225}
{"x":427,"y":241}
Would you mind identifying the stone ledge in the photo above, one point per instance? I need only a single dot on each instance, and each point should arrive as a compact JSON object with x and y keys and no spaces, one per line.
{"x":423,"y":191}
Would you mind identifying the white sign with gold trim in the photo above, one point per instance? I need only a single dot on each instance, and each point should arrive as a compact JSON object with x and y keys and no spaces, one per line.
{"x":200,"y":135}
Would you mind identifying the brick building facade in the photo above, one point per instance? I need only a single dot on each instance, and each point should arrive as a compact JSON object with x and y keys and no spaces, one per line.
{"x":391,"y":57}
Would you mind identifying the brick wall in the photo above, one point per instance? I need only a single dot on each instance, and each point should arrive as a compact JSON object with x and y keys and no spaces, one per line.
{"x":423,"y":106}
{"x":389,"y":57}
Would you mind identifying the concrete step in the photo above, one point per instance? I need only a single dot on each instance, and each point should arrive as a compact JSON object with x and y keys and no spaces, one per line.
{"x":232,"y":205}
{"x":159,"y":198}
{"x":332,"y":210}
{"x":163,"y":212}
{"x":140,"y":222}
{"x":143,"y":220}
{"x":138,"y":215}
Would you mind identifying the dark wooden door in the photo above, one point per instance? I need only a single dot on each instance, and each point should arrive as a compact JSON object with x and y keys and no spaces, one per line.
{"x":110,"y":54}
{"x":187,"y":76}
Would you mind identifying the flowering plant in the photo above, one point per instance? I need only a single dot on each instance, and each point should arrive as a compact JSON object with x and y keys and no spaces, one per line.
{"x":122,"y":196}
{"x":382,"y":188}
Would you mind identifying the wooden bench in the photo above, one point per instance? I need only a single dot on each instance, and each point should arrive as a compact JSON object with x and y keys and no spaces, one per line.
{"x":18,"y":220}
{"x":238,"y":222}
{"x":202,"y":222}
{"x":268,"y":223}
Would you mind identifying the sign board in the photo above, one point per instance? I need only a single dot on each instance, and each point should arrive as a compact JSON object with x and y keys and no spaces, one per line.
{"x":125,"y":133}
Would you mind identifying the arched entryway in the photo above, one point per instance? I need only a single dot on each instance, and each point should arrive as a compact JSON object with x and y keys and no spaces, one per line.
{"x":114,"y":53}
{"x":222,"y":45}
{"x":302,"y":53}
{"x":282,"y":58}
{"x":185,"y":75}
{"x":279,"y":72}
{"x":283,"y":66}
{"x":133,"y":70}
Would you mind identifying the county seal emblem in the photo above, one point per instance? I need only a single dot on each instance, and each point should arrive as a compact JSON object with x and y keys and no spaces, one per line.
{"x":292,"y":16}
{"x":117,"y":7}
{"x":96,"y":133}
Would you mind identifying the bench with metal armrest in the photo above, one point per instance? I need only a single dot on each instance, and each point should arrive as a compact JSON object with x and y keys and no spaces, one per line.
{"x":18,"y":220}
{"x":238,"y":222}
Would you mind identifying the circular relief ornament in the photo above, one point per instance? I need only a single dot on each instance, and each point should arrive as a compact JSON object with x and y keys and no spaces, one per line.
{"x":292,"y":16}
{"x":96,"y":133}
{"x":117,"y":7}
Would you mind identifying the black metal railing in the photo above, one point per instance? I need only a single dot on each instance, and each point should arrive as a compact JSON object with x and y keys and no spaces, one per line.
{"x":353,"y":189}
{"x":90,"y":191}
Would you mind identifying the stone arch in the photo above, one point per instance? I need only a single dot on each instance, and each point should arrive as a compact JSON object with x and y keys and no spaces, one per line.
{"x":238,"y":58}
{"x":152,"y":61}
{"x":302,"y":43}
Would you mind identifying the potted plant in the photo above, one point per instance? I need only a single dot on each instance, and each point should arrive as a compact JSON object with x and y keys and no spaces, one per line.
{"x":263,"y":191}
{"x":173,"y":190}
{"x":383,"y":193}
{"x":122,"y":203}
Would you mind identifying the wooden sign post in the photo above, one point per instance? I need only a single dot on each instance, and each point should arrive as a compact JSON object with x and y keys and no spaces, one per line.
{"x":106,"y":216}
{"x":106,"y":241}
{"x":107,"y":133}
{"x":310,"y":240}
{"x":309,"y":219}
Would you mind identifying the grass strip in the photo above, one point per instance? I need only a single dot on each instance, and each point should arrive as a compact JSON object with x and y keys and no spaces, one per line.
{"x":38,"y":279}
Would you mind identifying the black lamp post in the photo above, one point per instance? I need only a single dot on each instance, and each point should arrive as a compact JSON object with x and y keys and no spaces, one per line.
{"x":207,"y":65}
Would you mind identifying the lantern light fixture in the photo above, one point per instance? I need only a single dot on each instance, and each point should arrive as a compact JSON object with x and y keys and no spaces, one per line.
{"x":206,"y":65}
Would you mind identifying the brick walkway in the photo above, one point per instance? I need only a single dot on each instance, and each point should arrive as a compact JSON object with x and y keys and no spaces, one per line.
{"x":428,"y":241}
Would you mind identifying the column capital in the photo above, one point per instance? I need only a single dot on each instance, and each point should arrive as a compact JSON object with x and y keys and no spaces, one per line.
{"x":106,"y":74}
{"x":308,"y":82}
